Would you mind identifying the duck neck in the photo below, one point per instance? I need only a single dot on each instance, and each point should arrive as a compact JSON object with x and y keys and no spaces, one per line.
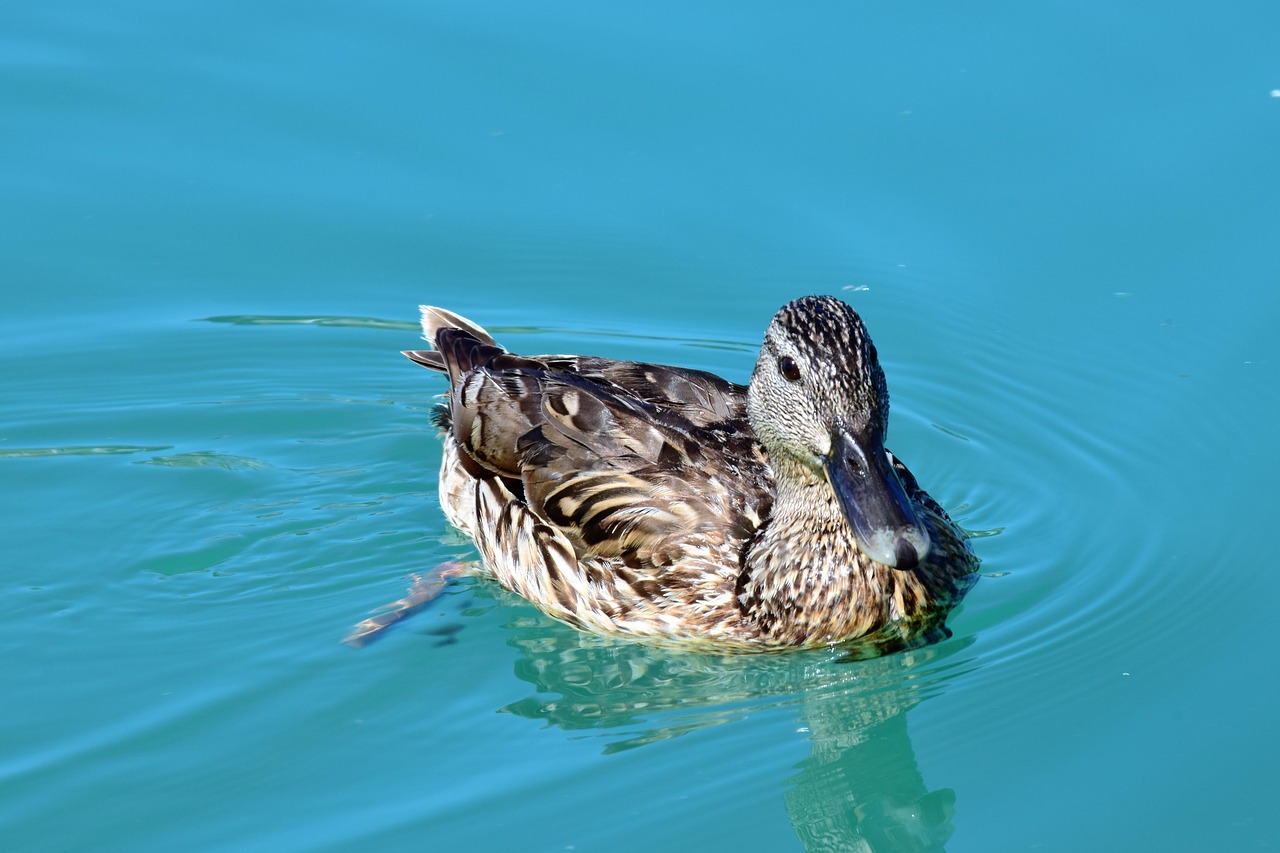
{"x":805,"y":529}
{"x":803,"y":501}
{"x":806,"y":581}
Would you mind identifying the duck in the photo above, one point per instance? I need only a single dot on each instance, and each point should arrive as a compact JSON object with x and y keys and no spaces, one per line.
{"x":668,"y":504}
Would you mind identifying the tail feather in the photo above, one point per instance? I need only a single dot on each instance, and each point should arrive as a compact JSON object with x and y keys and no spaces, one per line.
{"x":435,"y":319}
{"x":459,"y":352}
{"x":459,"y":348}
{"x":427,"y":358}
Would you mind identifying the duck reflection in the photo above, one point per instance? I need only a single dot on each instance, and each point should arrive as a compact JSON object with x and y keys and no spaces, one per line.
{"x":858,"y":790}
{"x":862,"y":790}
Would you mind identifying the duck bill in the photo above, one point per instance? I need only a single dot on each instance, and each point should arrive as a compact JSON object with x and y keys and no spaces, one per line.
{"x":885,"y":523}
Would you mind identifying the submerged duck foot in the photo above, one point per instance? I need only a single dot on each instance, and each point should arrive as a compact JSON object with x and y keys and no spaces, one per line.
{"x":424,"y":589}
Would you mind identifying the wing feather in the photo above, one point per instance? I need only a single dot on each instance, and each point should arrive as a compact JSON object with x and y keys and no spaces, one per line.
{"x":611,"y":456}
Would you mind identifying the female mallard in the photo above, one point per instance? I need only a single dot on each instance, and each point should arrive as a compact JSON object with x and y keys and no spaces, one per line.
{"x":672,"y":504}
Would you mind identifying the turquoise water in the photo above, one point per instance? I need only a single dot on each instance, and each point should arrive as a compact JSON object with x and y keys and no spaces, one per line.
{"x":1061,"y":222}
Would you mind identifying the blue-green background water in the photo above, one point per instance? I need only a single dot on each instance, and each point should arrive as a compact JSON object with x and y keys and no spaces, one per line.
{"x":1061,"y":222}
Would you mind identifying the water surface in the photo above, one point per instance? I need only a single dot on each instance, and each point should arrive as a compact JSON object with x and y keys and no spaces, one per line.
{"x":1059,"y":222}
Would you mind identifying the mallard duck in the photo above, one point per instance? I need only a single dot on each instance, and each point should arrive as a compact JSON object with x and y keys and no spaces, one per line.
{"x":667,"y":503}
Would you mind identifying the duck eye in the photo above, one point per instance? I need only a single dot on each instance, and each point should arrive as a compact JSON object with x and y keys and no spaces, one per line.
{"x":789,"y":369}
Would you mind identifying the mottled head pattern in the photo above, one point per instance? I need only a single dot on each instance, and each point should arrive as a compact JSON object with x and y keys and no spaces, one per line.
{"x":817,"y":369}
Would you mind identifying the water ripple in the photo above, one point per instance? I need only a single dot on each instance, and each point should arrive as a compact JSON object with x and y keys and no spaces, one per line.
{"x":79,"y":450}
{"x":205,"y":459}
{"x":311,"y":320}
{"x":1072,"y":443}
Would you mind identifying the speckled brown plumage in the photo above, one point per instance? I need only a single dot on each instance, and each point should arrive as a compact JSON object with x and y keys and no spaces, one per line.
{"x":671,"y":504}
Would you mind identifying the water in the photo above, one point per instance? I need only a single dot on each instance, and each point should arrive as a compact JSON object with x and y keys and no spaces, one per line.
{"x":1058,"y":220}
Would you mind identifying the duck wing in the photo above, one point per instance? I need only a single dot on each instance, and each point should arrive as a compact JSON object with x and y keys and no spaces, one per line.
{"x":631,"y":461}
{"x":702,"y":398}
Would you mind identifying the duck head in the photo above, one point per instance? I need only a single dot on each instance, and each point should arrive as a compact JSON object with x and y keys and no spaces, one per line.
{"x":818,"y":399}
